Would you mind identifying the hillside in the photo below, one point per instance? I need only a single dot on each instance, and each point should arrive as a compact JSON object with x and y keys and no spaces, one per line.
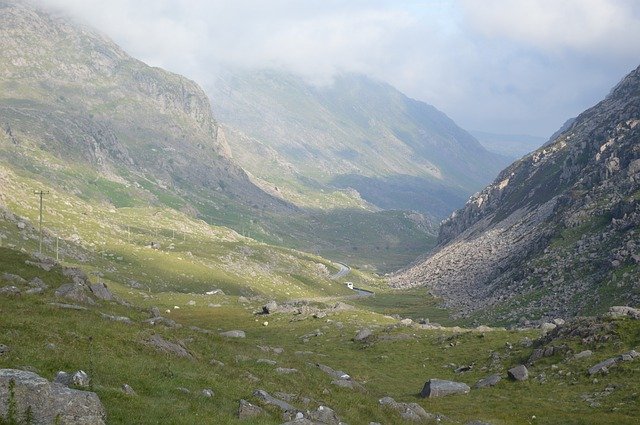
{"x":512,"y":146}
{"x":556,"y":233}
{"x":80,"y":115}
{"x":358,"y":135}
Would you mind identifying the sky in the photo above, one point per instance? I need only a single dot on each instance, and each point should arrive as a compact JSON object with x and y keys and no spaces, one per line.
{"x":501,"y":66}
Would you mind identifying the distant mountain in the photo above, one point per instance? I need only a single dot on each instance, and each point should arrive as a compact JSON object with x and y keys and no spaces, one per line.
{"x":512,"y":146}
{"x":557,"y":232}
{"x":79,"y":114}
{"x":355,"y":133}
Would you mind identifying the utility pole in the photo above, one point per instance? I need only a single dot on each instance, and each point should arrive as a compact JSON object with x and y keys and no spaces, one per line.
{"x":41,"y":193}
{"x":57,"y":255}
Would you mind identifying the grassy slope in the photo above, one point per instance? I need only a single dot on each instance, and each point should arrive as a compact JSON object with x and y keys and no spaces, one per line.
{"x":113,"y":354}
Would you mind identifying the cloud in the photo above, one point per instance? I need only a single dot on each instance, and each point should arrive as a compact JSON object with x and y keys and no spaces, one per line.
{"x":492,"y":65}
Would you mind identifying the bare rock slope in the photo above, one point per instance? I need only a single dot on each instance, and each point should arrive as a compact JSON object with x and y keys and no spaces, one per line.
{"x":557,"y":232}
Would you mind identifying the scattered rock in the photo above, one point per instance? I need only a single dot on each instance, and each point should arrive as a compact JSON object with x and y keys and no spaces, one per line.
{"x":122,"y":319}
{"x":285,"y":370}
{"x":247,"y":410}
{"x":10,"y":290}
{"x":183,"y":390}
{"x":161,"y":344}
{"x":363,"y":335}
{"x":159,"y":320}
{"x":268,"y":399}
{"x":270,"y":307}
{"x":558,"y":322}
{"x":324,"y":415}
{"x":101,"y":292}
{"x":603,"y":366}
{"x":68,"y":306}
{"x":583,"y":354}
{"x":441,"y":388}
{"x":408,"y":411}
{"x":75,"y":292}
{"x":13,"y":278}
{"x":36,"y":282}
{"x":519,"y":373}
{"x":622,"y":311}
{"x":4,"y":349}
{"x":319,"y":315}
{"x":489,"y":381}
{"x":155,"y":312}
{"x":49,"y":402}
{"x":80,"y":379}
{"x":126,"y":388}
{"x":233,"y":334}
{"x":333,"y":373}
{"x":267,"y":361}
{"x":406,"y":322}
{"x":207,"y":392}
{"x":547,"y":327}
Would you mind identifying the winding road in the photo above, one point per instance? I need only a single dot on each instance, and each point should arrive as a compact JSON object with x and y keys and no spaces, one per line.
{"x":344,"y":271}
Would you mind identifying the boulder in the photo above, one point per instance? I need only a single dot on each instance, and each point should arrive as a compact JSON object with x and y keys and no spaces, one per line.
{"x":270,"y":400}
{"x":285,"y":370}
{"x":49,"y":403}
{"x":270,"y":307}
{"x":622,"y":311}
{"x":159,"y":343}
{"x":324,"y":415}
{"x":10,"y":290}
{"x":207,"y":392}
{"x":233,"y":334}
{"x":363,"y":335}
{"x":582,"y":354}
{"x":408,"y":411}
{"x":126,"y":388}
{"x":63,"y":378}
{"x":489,"y":381}
{"x":547,"y":327}
{"x":101,"y":292}
{"x":519,"y":373}
{"x":75,"y":292}
{"x":4,"y":349}
{"x":247,"y":410}
{"x":603,"y":366}
{"x":80,"y":379}
{"x":441,"y":388}
{"x":36,"y":282}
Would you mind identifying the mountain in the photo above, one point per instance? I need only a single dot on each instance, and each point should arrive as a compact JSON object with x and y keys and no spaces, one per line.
{"x":556,"y":233}
{"x":512,"y":146}
{"x":354,"y":134}
{"x":82,"y":116}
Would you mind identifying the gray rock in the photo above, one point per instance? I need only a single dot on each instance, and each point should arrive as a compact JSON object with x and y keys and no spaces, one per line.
{"x":49,"y":402}
{"x":267,"y":361}
{"x":155,"y":312}
{"x":159,"y":343}
{"x":285,"y":370}
{"x":34,"y":291}
{"x":121,"y":319}
{"x":247,"y":410}
{"x":75,"y":292}
{"x":547,"y":327}
{"x":582,"y":354}
{"x":80,"y":379}
{"x":159,"y":320}
{"x":101,"y":291}
{"x":268,"y":399}
{"x":363,"y":335}
{"x":4,"y":349}
{"x":324,"y":415}
{"x":233,"y":334}
{"x":603,"y":366}
{"x":558,"y":322}
{"x":126,"y":388}
{"x":489,"y":381}
{"x":10,"y":290}
{"x":441,"y":388}
{"x":319,"y":315}
{"x":183,"y":390}
{"x":68,"y":306}
{"x":333,"y":373}
{"x":519,"y":373}
{"x":207,"y":392}
{"x":408,"y":411}
{"x":13,"y":278}
{"x":622,"y":311}
{"x":36,"y":282}
{"x":63,"y":378}
{"x":270,"y":307}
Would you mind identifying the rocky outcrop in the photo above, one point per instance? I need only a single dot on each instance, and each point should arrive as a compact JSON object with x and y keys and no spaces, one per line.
{"x":553,"y":229}
{"x":28,"y":394}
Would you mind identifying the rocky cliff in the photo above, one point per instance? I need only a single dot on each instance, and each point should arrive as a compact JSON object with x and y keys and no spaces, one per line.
{"x":556,"y":232}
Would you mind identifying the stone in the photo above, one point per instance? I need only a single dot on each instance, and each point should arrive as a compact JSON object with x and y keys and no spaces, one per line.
{"x":126,"y":388}
{"x":489,"y":381}
{"x":20,"y":225}
{"x":267,"y":361}
{"x":159,"y":343}
{"x":121,"y":319}
{"x":270,"y":307}
{"x":68,"y":306}
{"x":333,"y":373}
{"x":622,"y":311}
{"x":159,"y":320}
{"x":4,"y":349}
{"x":183,"y":390}
{"x":582,"y":354}
{"x":49,"y":403}
{"x":247,"y":410}
{"x":13,"y":278}
{"x":408,"y":411}
{"x":80,"y":379}
{"x":319,"y":315}
{"x":101,"y":292}
{"x":63,"y":378}
{"x":285,"y":370}
{"x":547,"y":327}
{"x":10,"y":290}
{"x":36,"y":282}
{"x":440,"y":388}
{"x":207,"y":392}
{"x":268,"y":399}
{"x":518,"y":373}
{"x":155,"y":312}
{"x":558,"y":322}
{"x":406,"y":322}
{"x":324,"y":415}
{"x":362,"y":335}
{"x":233,"y":334}
{"x":603,"y":366}
{"x":74,"y":292}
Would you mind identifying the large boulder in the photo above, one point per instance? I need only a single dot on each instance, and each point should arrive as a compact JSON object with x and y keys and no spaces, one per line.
{"x":441,"y":388}
{"x":519,"y":373}
{"x":75,"y":292}
{"x":47,"y":402}
{"x":101,"y":291}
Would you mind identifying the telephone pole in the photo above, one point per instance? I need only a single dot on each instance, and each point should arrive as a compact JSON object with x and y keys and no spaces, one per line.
{"x":41,"y":193}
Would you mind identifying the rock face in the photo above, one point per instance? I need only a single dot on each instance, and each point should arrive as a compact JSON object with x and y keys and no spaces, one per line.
{"x":441,"y":388}
{"x":553,"y":228}
{"x":49,"y":402}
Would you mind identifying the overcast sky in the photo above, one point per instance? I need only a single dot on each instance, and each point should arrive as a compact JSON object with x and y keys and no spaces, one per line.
{"x":503,"y":66}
